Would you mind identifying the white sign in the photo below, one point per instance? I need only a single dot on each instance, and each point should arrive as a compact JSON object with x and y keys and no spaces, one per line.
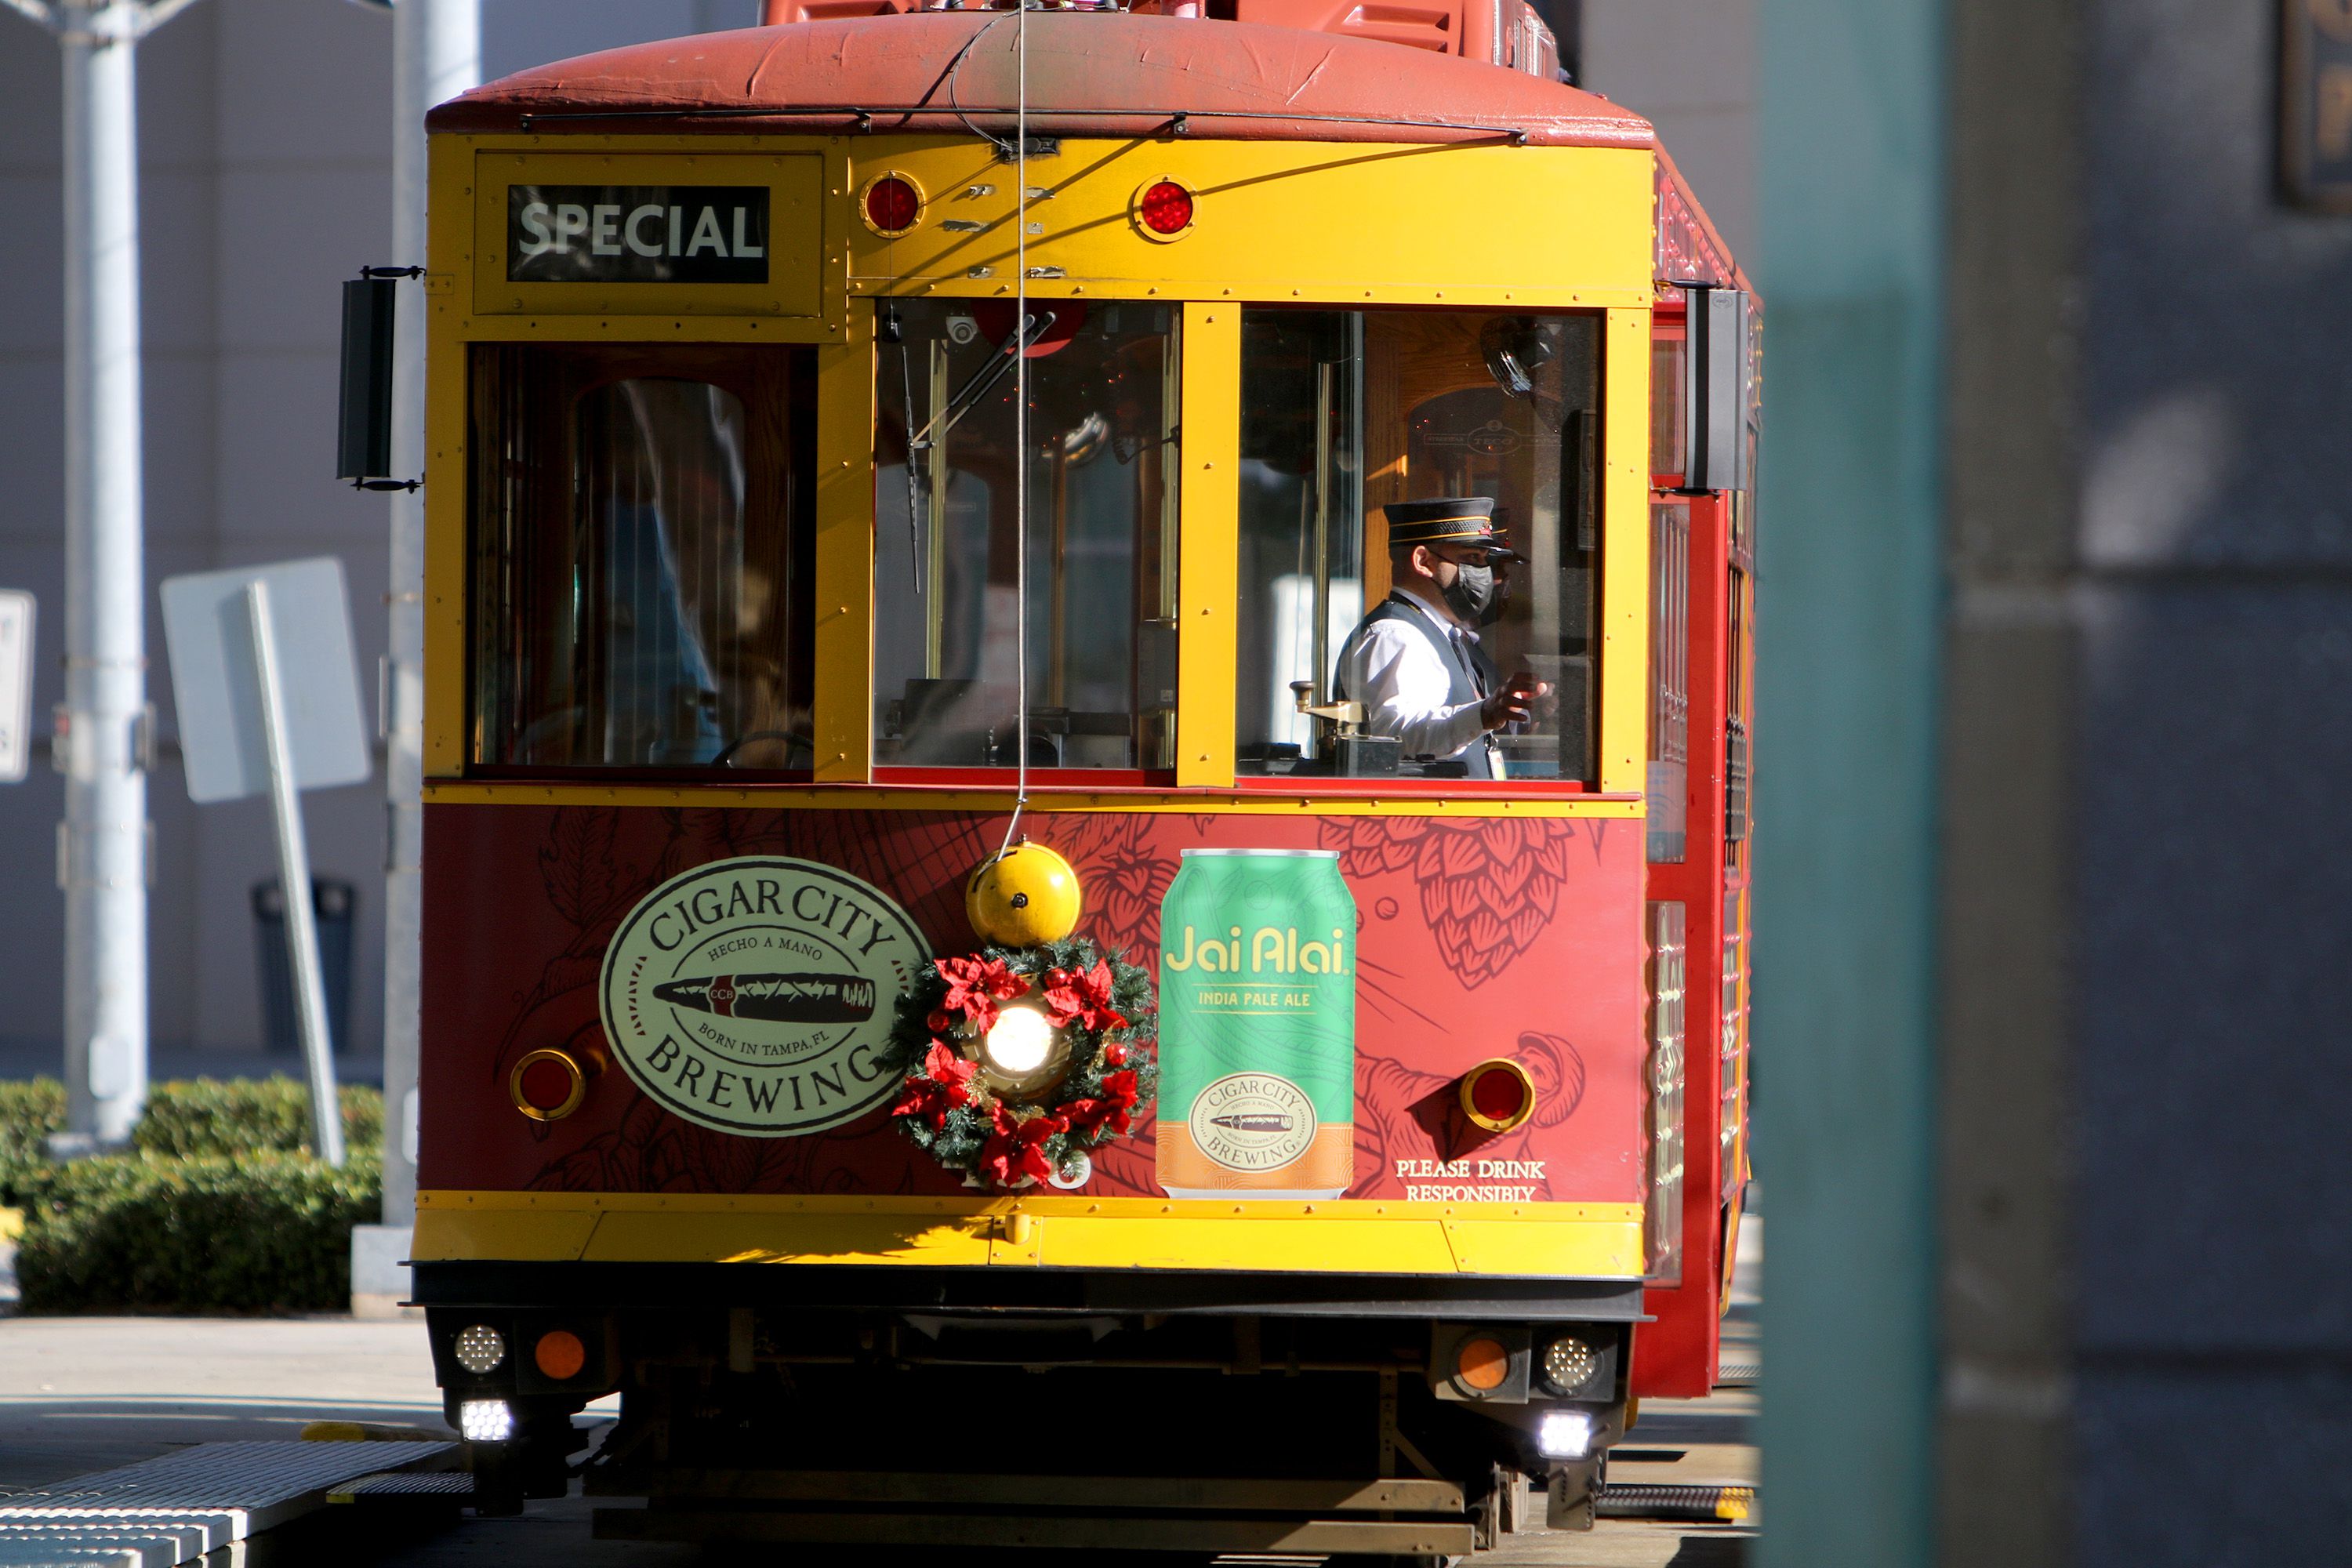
{"x":216,"y":686}
{"x":15,"y":683}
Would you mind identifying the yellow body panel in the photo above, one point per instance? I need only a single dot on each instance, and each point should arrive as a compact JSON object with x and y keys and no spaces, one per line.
{"x":1278,"y":220}
{"x":1344,"y":1236}
{"x":842,"y":713}
{"x":1625,"y":556}
{"x":1208,"y":585}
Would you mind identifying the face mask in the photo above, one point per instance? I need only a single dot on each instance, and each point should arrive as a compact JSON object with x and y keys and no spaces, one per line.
{"x":1495,"y":602}
{"x":1470,"y":593}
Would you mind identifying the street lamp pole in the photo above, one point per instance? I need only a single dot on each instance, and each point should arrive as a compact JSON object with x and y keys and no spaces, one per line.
{"x":437,"y":54}
{"x":105,"y":850}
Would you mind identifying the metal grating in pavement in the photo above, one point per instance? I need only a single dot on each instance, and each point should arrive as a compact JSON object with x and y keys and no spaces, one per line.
{"x":169,"y":1510}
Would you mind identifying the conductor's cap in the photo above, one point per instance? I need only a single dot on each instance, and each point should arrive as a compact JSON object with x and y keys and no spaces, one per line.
{"x":1462,"y":521}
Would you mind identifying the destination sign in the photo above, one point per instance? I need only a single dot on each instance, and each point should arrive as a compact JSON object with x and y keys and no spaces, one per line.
{"x":637,"y":234}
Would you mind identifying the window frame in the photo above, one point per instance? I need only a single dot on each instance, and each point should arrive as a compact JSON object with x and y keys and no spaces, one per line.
{"x":895,"y":775}
{"x":798,"y":420}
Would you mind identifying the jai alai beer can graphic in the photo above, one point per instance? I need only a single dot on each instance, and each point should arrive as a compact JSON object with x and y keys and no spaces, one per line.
{"x":1258,"y":1026}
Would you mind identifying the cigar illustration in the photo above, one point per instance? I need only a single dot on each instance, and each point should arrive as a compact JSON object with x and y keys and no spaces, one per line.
{"x":1257,"y":1121}
{"x":776,"y":998}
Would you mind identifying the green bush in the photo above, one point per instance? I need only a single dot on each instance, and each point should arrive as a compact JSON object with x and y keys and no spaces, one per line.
{"x":195,"y":1117}
{"x":29,"y":1112}
{"x":216,"y":1207}
{"x":252,"y":1233}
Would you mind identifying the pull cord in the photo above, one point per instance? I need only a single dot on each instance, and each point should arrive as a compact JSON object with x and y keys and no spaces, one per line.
{"x":1020,"y":422}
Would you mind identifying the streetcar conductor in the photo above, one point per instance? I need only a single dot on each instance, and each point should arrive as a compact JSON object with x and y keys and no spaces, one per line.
{"x":1414,"y":661}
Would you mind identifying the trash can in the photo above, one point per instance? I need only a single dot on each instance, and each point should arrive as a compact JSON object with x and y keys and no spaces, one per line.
{"x":331,"y":903}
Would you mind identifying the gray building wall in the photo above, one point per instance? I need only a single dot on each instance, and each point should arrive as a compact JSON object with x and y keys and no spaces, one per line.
{"x":1690,"y":67}
{"x":2145,"y":984}
{"x":265,"y":143}
{"x":2214,"y":1282}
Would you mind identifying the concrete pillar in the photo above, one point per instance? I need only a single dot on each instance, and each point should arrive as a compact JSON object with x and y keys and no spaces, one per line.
{"x":1851,"y":204}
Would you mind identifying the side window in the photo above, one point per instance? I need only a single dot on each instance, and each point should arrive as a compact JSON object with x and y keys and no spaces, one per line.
{"x":1100,"y":642}
{"x":1734,"y":718}
{"x":1347,"y":411}
{"x":640,"y":558}
{"x":1668,"y":783}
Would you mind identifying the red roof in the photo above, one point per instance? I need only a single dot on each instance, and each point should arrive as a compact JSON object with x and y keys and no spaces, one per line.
{"x":1090,"y":74}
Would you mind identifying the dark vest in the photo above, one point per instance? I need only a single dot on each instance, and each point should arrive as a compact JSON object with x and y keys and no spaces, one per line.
{"x":1477,"y":757}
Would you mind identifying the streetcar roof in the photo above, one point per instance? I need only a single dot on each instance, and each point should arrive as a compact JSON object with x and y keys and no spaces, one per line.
{"x":1089,"y":74}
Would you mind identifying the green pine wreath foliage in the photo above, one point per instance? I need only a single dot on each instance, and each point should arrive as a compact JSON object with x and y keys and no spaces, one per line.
{"x":969,"y":1128}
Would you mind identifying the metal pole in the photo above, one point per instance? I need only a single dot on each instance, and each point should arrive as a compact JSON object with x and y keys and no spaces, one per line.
{"x":103,"y":844}
{"x":437,"y":54}
{"x":294,"y":882}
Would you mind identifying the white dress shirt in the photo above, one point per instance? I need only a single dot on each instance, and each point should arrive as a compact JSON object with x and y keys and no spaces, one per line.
{"x":1403,"y":685}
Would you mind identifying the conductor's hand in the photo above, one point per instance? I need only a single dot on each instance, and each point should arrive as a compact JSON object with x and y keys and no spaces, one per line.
{"x":1514,"y":702}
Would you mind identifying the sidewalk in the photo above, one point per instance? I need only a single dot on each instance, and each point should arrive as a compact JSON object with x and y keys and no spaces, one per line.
{"x":88,"y":1394}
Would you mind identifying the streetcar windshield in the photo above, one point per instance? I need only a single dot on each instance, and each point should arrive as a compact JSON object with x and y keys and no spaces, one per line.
{"x":641,"y":558}
{"x":1101,"y":531}
{"x":1350,"y":410}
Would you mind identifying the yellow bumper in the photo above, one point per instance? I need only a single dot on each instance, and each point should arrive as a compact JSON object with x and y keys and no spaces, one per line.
{"x":1577,"y":1241}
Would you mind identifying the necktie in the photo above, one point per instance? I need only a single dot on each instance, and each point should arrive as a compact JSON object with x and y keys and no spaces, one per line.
{"x":1484,"y":757}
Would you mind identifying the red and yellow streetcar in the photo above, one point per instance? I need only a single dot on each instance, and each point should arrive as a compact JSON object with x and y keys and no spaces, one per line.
{"x":934,"y":990}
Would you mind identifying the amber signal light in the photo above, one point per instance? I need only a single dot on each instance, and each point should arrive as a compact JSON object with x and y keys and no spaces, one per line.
{"x":549,"y":1084}
{"x":560,"y":1355}
{"x":1482,"y":1364}
{"x":1499,"y":1095}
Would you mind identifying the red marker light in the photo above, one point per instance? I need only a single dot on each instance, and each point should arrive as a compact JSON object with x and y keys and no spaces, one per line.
{"x":1165,"y":208}
{"x":892,"y":205}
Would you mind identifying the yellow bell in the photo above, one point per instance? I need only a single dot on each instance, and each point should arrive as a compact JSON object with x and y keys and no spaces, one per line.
{"x":1026,"y":896}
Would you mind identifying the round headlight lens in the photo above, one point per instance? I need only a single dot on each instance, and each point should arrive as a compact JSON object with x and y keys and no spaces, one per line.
{"x":481,"y":1349}
{"x":1019,"y":1041}
{"x":1569,"y":1364}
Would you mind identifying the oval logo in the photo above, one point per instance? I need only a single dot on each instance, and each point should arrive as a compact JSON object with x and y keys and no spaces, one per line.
{"x":1252,"y":1121}
{"x":754,"y":995}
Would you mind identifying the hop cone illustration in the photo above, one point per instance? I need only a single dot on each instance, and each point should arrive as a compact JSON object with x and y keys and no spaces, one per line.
{"x":1487,"y":887}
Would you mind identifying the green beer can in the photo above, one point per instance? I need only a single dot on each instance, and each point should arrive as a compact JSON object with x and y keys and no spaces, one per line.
{"x":1258,"y":1026}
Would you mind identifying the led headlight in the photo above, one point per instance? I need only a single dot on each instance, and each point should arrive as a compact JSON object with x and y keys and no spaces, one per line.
{"x":1564,"y":1434}
{"x":485,"y":1420}
{"x":1019,"y":1041}
{"x":1569,"y":1364}
{"x":481,"y":1349}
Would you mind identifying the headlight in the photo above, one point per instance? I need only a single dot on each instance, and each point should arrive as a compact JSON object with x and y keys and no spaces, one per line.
{"x":1019,"y":1041}
{"x":485,"y":1420}
{"x":1569,"y":1364}
{"x":481,"y":1349}
{"x":1564,"y":1434}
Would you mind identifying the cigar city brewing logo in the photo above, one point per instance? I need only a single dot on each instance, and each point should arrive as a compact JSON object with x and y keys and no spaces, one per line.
{"x":1252,"y":1121}
{"x":754,"y":995}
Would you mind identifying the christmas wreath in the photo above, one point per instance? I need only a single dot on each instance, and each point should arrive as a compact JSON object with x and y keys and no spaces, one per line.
{"x":1025,"y":1106}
